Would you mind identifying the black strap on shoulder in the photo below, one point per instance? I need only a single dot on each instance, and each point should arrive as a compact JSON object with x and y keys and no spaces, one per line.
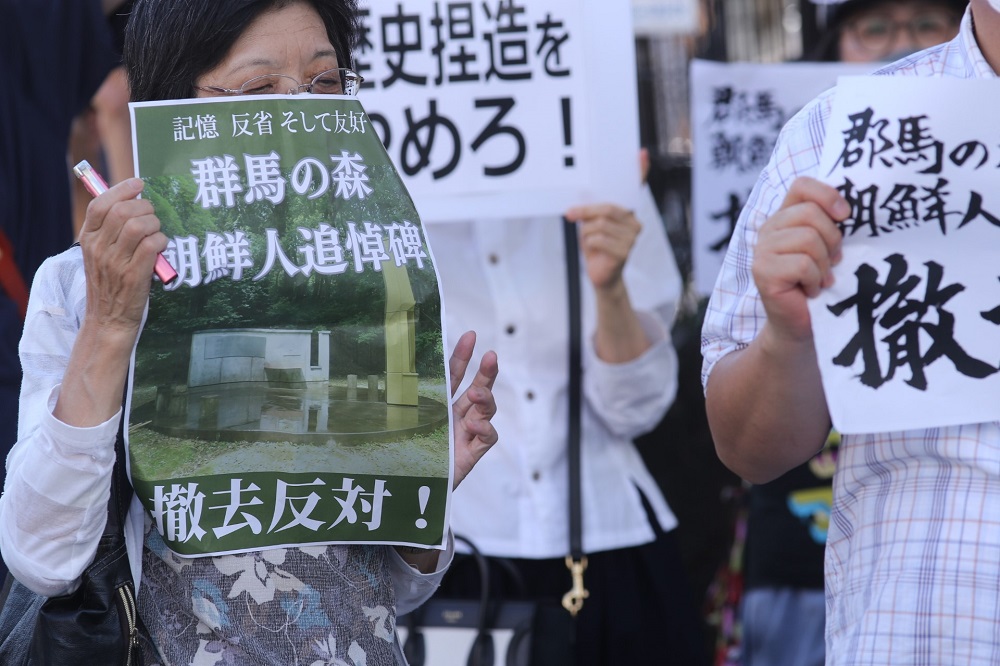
{"x":121,"y":487}
{"x":575,"y":388}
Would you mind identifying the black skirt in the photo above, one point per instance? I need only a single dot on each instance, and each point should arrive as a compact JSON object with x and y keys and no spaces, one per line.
{"x":641,"y":609}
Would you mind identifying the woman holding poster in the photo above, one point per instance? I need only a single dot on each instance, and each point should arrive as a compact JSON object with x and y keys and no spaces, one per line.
{"x":316,"y":603}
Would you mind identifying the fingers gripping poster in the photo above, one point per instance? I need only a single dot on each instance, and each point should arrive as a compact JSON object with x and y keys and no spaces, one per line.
{"x":908,"y":336}
{"x":289,"y":386}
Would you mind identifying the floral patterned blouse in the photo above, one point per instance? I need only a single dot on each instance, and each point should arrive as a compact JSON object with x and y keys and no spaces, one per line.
{"x":309,"y":606}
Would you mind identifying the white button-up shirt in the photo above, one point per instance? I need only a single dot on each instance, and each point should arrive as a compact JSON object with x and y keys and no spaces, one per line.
{"x":506,"y":279}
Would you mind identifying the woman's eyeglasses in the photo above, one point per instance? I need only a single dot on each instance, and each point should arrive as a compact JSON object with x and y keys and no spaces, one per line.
{"x":877,"y":32}
{"x":339,"y":81}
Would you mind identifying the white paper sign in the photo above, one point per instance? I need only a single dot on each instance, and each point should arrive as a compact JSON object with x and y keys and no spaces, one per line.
{"x":654,"y":18}
{"x":504,"y":107}
{"x":737,"y":110}
{"x":909,"y":335}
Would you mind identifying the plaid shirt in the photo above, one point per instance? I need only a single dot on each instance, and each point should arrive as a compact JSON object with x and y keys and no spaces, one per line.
{"x":913,"y":551}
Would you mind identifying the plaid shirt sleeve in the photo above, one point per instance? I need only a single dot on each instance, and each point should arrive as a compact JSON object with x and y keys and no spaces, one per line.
{"x":735,"y":313}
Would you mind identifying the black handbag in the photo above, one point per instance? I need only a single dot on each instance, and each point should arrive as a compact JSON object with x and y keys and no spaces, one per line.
{"x":489,"y":630}
{"x":98,"y":624}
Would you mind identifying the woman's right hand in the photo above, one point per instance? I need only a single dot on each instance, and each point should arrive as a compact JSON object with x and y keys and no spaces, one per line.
{"x":474,"y":410}
{"x":120,"y":239}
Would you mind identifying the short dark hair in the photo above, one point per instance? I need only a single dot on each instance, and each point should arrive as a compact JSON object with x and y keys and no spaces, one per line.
{"x":845,"y":10}
{"x":170,"y":43}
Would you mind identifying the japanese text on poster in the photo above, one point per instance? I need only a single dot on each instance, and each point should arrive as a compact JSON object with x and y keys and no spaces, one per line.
{"x":503,"y":107}
{"x":908,"y":336}
{"x":289,"y":387}
{"x":737,"y":110}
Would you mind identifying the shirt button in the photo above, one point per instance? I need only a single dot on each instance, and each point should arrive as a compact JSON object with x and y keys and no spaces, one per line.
{"x":536,"y":476}
{"x":494,"y":259}
{"x":511,"y":329}
{"x":530,"y":395}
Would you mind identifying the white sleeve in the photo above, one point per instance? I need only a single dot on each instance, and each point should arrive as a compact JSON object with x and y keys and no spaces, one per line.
{"x":412,"y":587}
{"x":50,"y":522}
{"x":631,"y":398}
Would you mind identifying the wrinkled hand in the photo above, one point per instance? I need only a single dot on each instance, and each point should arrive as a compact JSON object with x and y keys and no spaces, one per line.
{"x":120,"y":240}
{"x":607,"y":234}
{"x":472,"y":411}
{"x":796,"y":250}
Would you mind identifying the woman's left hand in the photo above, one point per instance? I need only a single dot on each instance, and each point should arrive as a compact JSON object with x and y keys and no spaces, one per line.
{"x":473,"y":410}
{"x":607,"y":234}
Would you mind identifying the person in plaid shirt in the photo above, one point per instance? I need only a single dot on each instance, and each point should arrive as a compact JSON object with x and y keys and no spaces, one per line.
{"x":913,"y":553}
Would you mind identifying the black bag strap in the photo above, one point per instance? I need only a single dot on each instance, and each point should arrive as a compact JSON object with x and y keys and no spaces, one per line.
{"x":483,"y":650}
{"x":575,"y":378}
{"x":576,"y":561}
{"x":121,"y":487}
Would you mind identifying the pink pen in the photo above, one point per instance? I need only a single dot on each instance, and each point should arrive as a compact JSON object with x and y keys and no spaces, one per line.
{"x":96,"y":185}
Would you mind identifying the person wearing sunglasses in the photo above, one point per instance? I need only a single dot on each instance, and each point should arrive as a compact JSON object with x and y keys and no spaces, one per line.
{"x":330,"y":604}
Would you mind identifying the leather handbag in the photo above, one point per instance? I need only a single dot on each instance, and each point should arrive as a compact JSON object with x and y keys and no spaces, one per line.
{"x":472,"y":632}
{"x":96,"y":625}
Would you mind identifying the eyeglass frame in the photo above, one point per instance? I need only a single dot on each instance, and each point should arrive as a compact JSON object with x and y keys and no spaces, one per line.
{"x":850,"y":27}
{"x":294,"y":90}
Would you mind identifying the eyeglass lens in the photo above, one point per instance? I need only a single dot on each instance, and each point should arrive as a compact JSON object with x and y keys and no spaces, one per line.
{"x":330,"y":82}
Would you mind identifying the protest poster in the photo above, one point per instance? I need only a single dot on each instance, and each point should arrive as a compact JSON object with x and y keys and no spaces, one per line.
{"x":504,"y":108}
{"x":908,"y":336}
{"x":737,"y":111}
{"x":289,"y":386}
